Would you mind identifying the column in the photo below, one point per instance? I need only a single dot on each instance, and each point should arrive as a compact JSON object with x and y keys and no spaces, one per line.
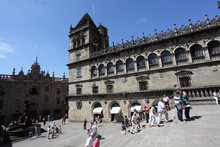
{"x":173,"y":59}
{"x":159,"y":61}
{"x":206,"y":53}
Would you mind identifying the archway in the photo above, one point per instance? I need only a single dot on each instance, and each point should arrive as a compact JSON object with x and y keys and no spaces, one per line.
{"x":115,"y":111}
{"x":97,"y":111}
{"x":135,"y":107}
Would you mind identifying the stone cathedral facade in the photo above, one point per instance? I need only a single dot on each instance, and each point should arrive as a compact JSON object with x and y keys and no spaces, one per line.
{"x":113,"y":81}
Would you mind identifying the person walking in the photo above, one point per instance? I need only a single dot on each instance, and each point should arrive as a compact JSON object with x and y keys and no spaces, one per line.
{"x":89,"y":141}
{"x":84,"y":124}
{"x":179,"y":105}
{"x":187,"y":105}
{"x":161,"y":110}
{"x":96,"y":143}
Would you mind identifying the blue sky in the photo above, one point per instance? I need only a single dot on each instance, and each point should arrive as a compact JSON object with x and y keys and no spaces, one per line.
{"x":30,"y":28}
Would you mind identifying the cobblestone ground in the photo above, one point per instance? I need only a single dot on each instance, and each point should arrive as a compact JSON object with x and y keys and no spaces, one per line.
{"x":204,"y":131}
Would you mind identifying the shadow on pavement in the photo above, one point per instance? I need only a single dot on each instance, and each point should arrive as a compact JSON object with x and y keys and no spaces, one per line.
{"x":195,"y":117}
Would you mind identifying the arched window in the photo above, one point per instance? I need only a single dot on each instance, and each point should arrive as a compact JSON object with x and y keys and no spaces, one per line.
{"x":93,"y":71}
{"x":101,"y":69}
{"x":119,"y":66}
{"x":180,"y":54}
{"x":129,"y":63}
{"x":196,"y":51}
{"x":166,"y":57}
{"x":152,"y":58}
{"x":214,"y":47}
{"x":110,"y":68}
{"x":140,"y":61}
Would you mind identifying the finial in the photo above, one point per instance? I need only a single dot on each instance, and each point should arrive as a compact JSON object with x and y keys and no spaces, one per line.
{"x":122,"y":41}
{"x":113,"y":43}
{"x":155,"y":35}
{"x":218,"y":3}
{"x":155,"y":31}
{"x":36,"y":59}
{"x":64,"y":76}
{"x":143,"y":35}
{"x":207,"y":19}
{"x":71,"y":27}
{"x":13,"y":73}
{"x":53,"y":75}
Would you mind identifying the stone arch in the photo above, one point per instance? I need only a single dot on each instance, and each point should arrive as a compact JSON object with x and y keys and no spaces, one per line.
{"x":97,"y":110}
{"x":93,"y":71}
{"x":152,"y":59}
{"x":132,"y":104}
{"x":110,"y":67}
{"x":196,"y":50}
{"x":101,"y":69}
{"x":214,"y":47}
{"x":180,"y":53}
{"x":130,"y":63}
{"x":114,"y":112}
{"x":166,"y":56}
{"x":140,"y":60}
{"x":119,"y":66}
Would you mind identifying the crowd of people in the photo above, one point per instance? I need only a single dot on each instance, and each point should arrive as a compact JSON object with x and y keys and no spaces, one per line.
{"x":155,"y":113}
{"x":93,"y":139}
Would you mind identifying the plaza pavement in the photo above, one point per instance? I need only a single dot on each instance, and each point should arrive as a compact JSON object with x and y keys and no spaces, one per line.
{"x":204,"y":131}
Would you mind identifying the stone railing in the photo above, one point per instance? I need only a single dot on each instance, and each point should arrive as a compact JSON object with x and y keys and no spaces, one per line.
{"x":201,"y":92}
{"x":162,"y":35}
{"x":5,"y":77}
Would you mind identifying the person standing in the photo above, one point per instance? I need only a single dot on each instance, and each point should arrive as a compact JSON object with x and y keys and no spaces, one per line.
{"x":187,"y":105}
{"x":133,"y":123}
{"x":44,"y":121}
{"x":152,"y":115}
{"x":146,"y":113}
{"x":96,"y":143}
{"x":216,"y":96}
{"x":161,"y":110}
{"x":179,"y":105}
{"x":84,"y":124}
{"x":89,"y":141}
{"x":126,"y":121}
{"x":166,"y":102}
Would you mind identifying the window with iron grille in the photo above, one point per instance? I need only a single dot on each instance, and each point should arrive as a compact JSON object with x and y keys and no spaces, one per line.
{"x":95,"y":89}
{"x":109,"y":88}
{"x":78,"y":91}
{"x":143,"y":85}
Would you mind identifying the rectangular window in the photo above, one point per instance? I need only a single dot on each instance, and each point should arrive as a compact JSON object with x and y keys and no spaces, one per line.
{"x":46,"y":99}
{"x":58,"y":100}
{"x":109,"y":88}
{"x":78,"y":57}
{"x":95,"y":89}
{"x":78,"y":73}
{"x":142,"y":86}
{"x":185,"y":82}
{"x":78,"y":91}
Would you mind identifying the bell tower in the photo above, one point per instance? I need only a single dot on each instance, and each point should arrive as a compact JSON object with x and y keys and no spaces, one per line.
{"x":84,"y":39}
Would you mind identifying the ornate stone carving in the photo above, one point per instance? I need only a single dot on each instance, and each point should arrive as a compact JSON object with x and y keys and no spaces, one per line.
{"x":183,"y":73}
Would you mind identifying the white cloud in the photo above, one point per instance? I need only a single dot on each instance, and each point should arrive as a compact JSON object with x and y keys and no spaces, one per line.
{"x":2,"y":56}
{"x":6,"y":47}
{"x":141,"y":20}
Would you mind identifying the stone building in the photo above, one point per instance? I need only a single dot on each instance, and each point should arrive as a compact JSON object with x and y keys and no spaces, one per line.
{"x":113,"y":81}
{"x":45,"y":94}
